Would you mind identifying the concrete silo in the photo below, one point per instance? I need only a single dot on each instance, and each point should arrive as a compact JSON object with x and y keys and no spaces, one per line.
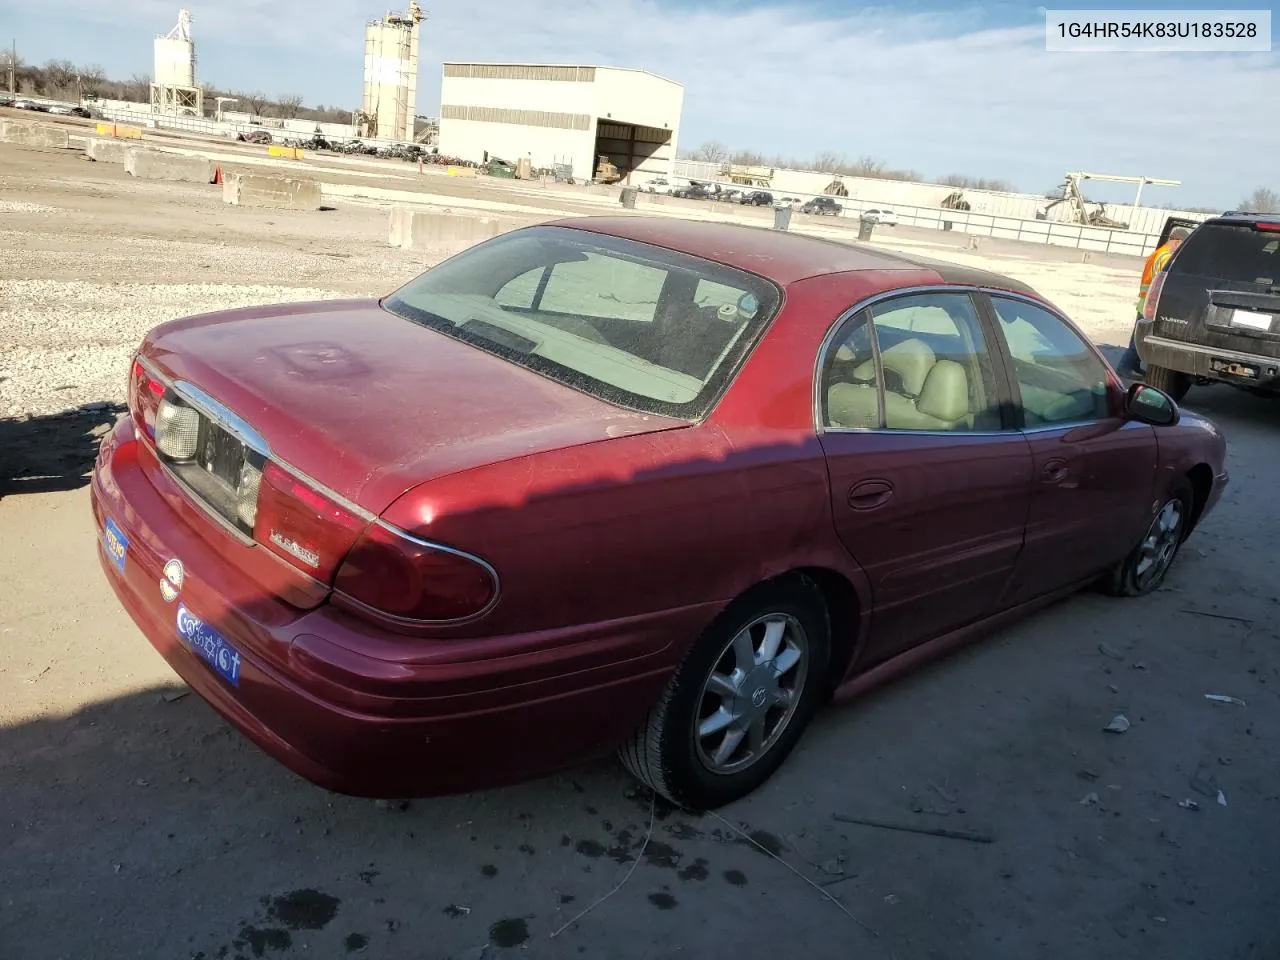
{"x":391,"y":75}
{"x":173,"y":83}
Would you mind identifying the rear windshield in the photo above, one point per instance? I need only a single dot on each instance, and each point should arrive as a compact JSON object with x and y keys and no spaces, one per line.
{"x":1231,"y":252}
{"x":638,"y":326}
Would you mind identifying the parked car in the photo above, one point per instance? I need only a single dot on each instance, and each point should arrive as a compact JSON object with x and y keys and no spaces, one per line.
{"x":656,"y":185}
{"x":785,"y":202}
{"x":692,"y":191}
{"x":81,"y":112}
{"x":730,"y":195}
{"x":757,"y":198}
{"x":822,"y":206}
{"x":580,"y":488}
{"x":30,"y":105}
{"x":255,"y":136}
{"x":883,"y":216}
{"x":1213,"y":315}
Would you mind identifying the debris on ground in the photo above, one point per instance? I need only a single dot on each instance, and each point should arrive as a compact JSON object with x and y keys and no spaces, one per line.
{"x":1139,"y":665}
{"x":1090,"y":800}
{"x":400,"y":805}
{"x":1111,"y":652}
{"x":1217,"y":616}
{"x":1087,"y":775}
{"x":834,"y":866}
{"x":1119,"y":724}
{"x":971,"y":836}
{"x":1188,"y":804}
{"x":173,"y":696}
{"x":1223,"y":698}
{"x":945,"y":794}
{"x":1222,"y":799}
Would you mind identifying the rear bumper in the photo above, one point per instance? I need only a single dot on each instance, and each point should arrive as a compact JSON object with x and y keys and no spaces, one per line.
{"x":422,"y":716}
{"x":1197,"y":360}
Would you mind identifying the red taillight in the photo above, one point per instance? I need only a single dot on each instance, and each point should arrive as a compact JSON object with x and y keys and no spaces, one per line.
{"x":1153,"y":297}
{"x":145,"y":392}
{"x":408,"y":579}
{"x":305,"y":527}
{"x":1269,"y":227}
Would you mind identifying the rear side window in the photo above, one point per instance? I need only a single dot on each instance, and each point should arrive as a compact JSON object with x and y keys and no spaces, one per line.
{"x":1231,"y":252}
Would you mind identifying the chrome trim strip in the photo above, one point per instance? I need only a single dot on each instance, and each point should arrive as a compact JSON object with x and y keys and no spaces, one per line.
{"x":441,"y":548}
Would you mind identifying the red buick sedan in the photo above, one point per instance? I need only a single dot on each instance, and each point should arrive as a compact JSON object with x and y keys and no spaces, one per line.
{"x":620,"y":483}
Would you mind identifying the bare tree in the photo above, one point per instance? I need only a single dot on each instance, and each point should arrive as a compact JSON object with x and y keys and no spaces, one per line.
{"x":828,"y":161}
{"x":10,"y":64}
{"x":975,"y":183}
{"x":138,"y":89}
{"x":712,"y":151}
{"x":289,"y":105}
{"x":257,"y":102}
{"x":60,"y":75}
{"x":1262,"y":200}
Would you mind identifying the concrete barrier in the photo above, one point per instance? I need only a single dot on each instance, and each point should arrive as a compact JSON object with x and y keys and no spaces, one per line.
{"x":119,"y":131}
{"x":423,"y":230}
{"x":28,"y":134}
{"x":147,"y":164}
{"x":286,"y":153}
{"x":262,"y":190}
{"x":105,"y":151}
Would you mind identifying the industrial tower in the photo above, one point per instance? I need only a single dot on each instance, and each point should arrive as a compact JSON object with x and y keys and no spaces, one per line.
{"x":391,"y":75}
{"x":173,"y":87}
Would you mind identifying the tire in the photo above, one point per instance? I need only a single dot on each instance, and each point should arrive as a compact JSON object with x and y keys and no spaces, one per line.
{"x":666,"y":753}
{"x":1172,"y":382}
{"x":1160,"y":543}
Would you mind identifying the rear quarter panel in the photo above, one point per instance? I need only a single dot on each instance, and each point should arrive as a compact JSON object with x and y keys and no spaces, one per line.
{"x":1193,"y":441}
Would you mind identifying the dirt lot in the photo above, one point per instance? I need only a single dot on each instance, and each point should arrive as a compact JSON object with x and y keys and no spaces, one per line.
{"x":135,"y":824}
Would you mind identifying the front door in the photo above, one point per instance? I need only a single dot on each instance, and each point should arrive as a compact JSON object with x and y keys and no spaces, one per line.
{"x":1093,"y":470}
{"x":929,"y":486}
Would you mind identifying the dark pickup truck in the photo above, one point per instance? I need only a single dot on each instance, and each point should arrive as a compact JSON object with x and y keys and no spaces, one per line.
{"x":1213,"y":315}
{"x":822,"y":206}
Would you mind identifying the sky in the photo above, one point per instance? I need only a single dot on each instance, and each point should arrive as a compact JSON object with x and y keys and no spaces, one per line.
{"x":943,"y":89}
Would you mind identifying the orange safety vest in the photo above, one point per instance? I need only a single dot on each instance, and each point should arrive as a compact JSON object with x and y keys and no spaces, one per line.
{"x":1158,"y":260}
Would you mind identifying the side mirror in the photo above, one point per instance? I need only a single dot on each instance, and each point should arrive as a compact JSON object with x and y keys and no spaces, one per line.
{"x":1150,"y":405}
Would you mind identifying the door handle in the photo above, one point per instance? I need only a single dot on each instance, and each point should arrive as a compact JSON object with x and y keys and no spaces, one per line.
{"x":1055,"y":471}
{"x":869,"y":494}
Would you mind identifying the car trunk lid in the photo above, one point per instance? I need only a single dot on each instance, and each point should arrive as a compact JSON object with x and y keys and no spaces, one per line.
{"x":366,"y":403}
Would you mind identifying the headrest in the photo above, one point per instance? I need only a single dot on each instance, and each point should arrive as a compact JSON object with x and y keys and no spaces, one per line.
{"x":946,"y":392}
{"x":911,"y":360}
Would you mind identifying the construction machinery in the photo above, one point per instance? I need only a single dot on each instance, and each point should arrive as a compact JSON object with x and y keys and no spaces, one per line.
{"x":1079,"y":206}
{"x":606,"y":171}
{"x":956,"y":201}
{"x":748,"y":175}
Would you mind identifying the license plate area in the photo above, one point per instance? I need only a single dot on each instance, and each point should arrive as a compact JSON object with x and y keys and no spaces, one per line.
{"x":1252,"y":320}
{"x":1234,"y":368}
{"x":222,"y":474}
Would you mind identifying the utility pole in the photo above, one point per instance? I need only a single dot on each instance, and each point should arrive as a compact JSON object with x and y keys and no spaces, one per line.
{"x":13,"y":68}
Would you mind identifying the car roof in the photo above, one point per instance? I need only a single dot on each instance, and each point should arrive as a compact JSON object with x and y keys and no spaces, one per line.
{"x":778,"y":255}
{"x":1245,"y":219}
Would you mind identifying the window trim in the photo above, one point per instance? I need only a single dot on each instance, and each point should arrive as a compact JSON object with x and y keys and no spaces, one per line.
{"x":1010,"y":406}
{"x":988,"y":297}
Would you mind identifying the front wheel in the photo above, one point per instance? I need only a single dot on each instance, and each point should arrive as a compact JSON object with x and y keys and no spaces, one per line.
{"x":740,"y":701}
{"x":1172,"y":382}
{"x":1146,"y":566}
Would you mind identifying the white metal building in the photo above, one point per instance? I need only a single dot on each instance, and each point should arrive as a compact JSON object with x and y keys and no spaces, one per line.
{"x":556,"y":114}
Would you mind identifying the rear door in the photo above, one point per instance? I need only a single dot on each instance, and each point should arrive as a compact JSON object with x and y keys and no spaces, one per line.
{"x":1223,"y":289}
{"x":1093,"y":470}
{"x":929,"y":484}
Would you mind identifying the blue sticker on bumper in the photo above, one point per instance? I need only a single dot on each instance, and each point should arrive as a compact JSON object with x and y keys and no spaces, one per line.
{"x":210,"y":645}
{"x":114,"y":543}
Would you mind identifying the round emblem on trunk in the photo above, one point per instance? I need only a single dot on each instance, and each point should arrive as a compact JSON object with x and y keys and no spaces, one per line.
{"x":171,"y":582}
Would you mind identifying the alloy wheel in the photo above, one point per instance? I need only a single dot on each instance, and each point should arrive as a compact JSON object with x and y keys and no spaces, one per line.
{"x":751,"y":693}
{"x":1160,"y":544}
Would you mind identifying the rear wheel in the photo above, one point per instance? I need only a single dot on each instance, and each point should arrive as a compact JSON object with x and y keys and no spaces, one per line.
{"x":1172,"y":382}
{"x":1146,"y":566}
{"x":740,"y":701}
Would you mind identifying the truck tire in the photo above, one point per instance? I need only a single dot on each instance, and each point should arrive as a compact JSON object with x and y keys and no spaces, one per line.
{"x":1172,"y":382}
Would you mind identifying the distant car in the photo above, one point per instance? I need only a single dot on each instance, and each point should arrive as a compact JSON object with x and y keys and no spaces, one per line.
{"x":30,"y":105}
{"x":757,"y":198}
{"x":1213,"y":315}
{"x":883,"y":216}
{"x":81,"y":112}
{"x":255,"y":136}
{"x":786,"y":202}
{"x":822,"y":206}
{"x":730,"y":195}
{"x":60,"y":110}
{"x":694,"y":191}
{"x":585,"y":508}
{"x":656,"y":185}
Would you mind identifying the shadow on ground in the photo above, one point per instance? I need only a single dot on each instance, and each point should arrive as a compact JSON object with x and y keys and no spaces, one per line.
{"x":52,"y":453}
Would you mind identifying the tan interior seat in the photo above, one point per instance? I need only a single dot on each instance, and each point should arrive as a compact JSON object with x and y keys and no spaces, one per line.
{"x":911,"y":360}
{"x":935,"y":393}
{"x":943,"y":403}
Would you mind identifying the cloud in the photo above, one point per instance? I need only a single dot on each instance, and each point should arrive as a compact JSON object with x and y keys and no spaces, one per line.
{"x":943,"y":92}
